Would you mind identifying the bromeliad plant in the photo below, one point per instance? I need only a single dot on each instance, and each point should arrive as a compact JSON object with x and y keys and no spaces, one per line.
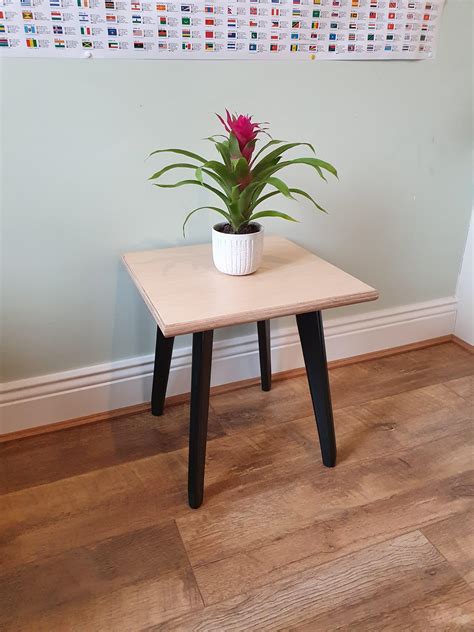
{"x":241,"y":177}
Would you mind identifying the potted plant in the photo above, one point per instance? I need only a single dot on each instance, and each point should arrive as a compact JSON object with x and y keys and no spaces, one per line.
{"x":239,"y":179}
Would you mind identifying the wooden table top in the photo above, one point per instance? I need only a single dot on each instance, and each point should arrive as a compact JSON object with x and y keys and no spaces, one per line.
{"x":186,"y":294}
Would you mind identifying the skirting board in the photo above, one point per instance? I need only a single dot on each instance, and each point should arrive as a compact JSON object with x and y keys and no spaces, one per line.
{"x":48,"y":399}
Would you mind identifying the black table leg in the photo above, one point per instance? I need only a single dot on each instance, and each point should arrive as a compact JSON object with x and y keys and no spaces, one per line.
{"x":264,"y":349}
{"x":200,"y":384}
{"x":161,"y":371}
{"x":310,"y":327}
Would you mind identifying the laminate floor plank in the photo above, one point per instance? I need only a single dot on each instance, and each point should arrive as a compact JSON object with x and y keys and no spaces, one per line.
{"x":96,"y":534}
{"x":390,"y":586}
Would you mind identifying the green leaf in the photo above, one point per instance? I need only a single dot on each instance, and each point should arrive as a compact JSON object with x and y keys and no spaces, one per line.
{"x":177,"y":165}
{"x":201,"y":184}
{"x":213,"y":208}
{"x":316,"y":163}
{"x":267,"y":160}
{"x":182,"y":152}
{"x":198,"y":174}
{"x":308,"y":197}
{"x":299,"y":191}
{"x":234,"y":147}
{"x":272,"y":214}
{"x":281,"y":186}
{"x":266,"y":146}
{"x":222,"y":171}
{"x":241,"y":169}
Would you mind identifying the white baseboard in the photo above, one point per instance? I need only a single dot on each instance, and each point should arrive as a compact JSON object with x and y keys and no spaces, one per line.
{"x":52,"y":398}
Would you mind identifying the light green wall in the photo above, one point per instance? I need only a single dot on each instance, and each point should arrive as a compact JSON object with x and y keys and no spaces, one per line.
{"x":75,"y":194}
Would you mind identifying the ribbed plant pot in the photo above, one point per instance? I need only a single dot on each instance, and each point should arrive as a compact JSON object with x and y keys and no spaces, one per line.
{"x":237,"y":254}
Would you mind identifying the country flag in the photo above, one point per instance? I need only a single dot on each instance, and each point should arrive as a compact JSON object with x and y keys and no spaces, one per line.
{"x":136,"y":18}
{"x":372,"y":15}
{"x":352,"y":26}
{"x":274,"y":35}
{"x":163,"y":45}
{"x":25,"y":3}
{"x":86,"y":30}
{"x":3,"y":42}
{"x":332,"y":48}
{"x":296,"y":13}
{"x":209,"y":8}
{"x":2,"y":28}
{"x":31,"y":43}
{"x":253,"y":35}
{"x":209,"y":21}
{"x":390,"y":26}
{"x":110,"y":17}
{"x":273,"y":48}
{"x":56,"y":16}
{"x":275,"y":24}
{"x":231,"y":10}
{"x":370,"y":48}
{"x":315,"y":25}
{"x":163,"y":20}
{"x":59,"y":43}
{"x":84,"y":17}
{"x":31,"y":28}
{"x":312,"y":48}
{"x":187,"y":46}
{"x":391,"y":16}
{"x":209,"y":46}
{"x":316,"y":13}
{"x":294,"y":48}
{"x":87,"y":44}
{"x":138,"y":45}
{"x":111,"y":32}
{"x":231,"y":46}
{"x":109,"y":4}
{"x":55,"y":3}
{"x":162,"y":33}
{"x":351,"y":37}
{"x":137,"y":32}
{"x":252,"y":47}
{"x":252,"y":23}
{"x":113,"y":45}
{"x":275,"y":12}
{"x":186,"y":8}
{"x":161,"y":7}
{"x":186,"y":33}
{"x":332,"y":36}
{"x":209,"y":35}
{"x":296,"y":1}
{"x":231,"y":23}
{"x":350,"y":48}
{"x":388,"y":47}
{"x":296,"y":24}
{"x":254,"y":11}
{"x":135,"y":6}
{"x":84,"y":4}
{"x":355,"y":3}
{"x":27,"y":15}
{"x":184,"y":21}
{"x":232,"y":35}
{"x":295,"y":36}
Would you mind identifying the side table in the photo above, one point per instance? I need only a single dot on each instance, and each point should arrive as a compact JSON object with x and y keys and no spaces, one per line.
{"x":186,"y":294}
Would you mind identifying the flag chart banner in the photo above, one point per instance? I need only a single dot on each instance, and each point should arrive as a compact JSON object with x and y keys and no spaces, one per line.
{"x":220,"y":29}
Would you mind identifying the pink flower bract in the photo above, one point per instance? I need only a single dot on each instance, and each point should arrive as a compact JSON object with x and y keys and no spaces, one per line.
{"x":244,"y":130}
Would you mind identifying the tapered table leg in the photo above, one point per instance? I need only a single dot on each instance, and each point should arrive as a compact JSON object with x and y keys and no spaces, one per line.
{"x":310,"y":327}
{"x":264,"y":349}
{"x":161,"y":371}
{"x":200,"y":384}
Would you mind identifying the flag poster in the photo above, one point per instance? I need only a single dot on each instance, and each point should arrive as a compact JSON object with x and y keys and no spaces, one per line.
{"x":222,"y":29}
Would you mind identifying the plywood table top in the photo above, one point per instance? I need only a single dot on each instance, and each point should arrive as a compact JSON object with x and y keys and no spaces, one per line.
{"x":186,"y":294}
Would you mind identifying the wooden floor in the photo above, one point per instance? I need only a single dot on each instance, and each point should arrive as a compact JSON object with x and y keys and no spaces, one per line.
{"x":95,"y":532}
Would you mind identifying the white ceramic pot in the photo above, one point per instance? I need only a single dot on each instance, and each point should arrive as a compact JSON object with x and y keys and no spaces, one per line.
{"x":237,"y":254}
